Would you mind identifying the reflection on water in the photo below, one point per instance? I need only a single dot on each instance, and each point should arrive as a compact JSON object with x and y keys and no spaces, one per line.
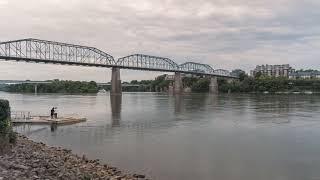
{"x":53,"y":127}
{"x":196,"y":136}
{"x":115,"y":101}
{"x":177,"y":101}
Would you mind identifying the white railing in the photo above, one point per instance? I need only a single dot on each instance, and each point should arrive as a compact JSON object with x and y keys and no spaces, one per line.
{"x":20,"y":115}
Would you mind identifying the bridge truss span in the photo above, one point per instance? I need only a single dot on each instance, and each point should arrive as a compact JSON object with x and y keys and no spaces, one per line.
{"x":43,"y":51}
{"x":196,"y":68}
{"x":34,"y":50}
{"x":222,"y":72}
{"x":145,"y":62}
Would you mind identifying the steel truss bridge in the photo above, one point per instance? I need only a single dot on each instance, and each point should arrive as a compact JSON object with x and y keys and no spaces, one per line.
{"x":43,"y":51}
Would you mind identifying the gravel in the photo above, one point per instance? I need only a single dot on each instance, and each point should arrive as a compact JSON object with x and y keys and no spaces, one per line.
{"x":32,"y":160}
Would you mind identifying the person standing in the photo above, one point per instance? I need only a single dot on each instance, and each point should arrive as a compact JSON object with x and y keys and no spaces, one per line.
{"x":52,"y":112}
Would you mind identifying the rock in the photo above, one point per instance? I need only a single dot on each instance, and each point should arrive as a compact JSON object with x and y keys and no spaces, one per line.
{"x":5,"y":164}
{"x":84,"y":158}
{"x":22,"y":167}
{"x":34,"y":165}
{"x":116,"y":178}
{"x":67,"y":150}
{"x":30,"y":160}
{"x":139,"y":176}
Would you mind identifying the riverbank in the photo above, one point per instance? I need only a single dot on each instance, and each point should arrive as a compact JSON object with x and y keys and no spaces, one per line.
{"x":32,"y":160}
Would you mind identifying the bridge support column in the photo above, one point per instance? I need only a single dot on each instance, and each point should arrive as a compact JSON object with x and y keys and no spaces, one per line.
{"x":35,"y":88}
{"x":170,"y":88}
{"x":213,"y":87}
{"x":229,"y":82}
{"x":116,"y":88}
{"x":177,"y":83}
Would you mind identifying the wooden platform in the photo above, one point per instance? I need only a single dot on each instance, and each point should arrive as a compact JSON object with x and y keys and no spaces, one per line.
{"x":48,"y":120}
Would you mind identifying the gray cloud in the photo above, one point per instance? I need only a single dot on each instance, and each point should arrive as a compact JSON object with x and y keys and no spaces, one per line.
{"x":224,"y":33}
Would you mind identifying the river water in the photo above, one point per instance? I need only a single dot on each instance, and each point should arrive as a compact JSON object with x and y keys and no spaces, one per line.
{"x":197,"y":136}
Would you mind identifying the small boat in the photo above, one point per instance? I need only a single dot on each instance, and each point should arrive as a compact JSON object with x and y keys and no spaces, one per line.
{"x":308,"y":92}
{"x":102,"y":91}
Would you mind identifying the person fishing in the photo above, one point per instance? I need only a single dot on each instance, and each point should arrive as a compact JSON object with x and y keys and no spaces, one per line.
{"x":52,"y":113}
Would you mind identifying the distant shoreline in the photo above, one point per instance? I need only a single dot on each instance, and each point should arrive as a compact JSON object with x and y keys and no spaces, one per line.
{"x":107,"y":92}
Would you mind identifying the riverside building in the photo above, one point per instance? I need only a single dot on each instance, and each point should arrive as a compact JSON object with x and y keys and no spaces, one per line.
{"x":305,"y":75}
{"x":273,"y":70}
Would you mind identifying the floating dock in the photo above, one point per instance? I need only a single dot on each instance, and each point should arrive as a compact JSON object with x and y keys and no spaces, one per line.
{"x":48,"y":120}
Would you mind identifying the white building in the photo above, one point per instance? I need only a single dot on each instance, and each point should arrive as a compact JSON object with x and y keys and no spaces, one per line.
{"x":273,"y":70}
{"x":305,"y":75}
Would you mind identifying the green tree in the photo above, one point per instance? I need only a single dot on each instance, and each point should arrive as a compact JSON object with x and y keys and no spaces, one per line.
{"x":258,"y":75}
{"x":134,"y":82}
{"x":57,"y":86}
{"x":202,"y":85}
{"x":6,"y":133}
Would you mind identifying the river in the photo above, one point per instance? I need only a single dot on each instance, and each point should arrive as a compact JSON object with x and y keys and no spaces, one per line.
{"x":197,"y":136}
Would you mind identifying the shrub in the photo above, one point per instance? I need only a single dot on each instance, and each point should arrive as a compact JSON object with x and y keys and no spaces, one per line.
{"x":6,"y":132}
{"x":12,"y":137}
{"x":4,"y":115}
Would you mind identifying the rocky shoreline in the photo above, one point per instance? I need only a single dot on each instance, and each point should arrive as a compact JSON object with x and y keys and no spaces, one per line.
{"x":32,"y":160}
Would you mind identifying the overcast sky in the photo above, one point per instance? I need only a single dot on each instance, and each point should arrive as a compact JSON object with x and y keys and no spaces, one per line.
{"x":226,"y":34}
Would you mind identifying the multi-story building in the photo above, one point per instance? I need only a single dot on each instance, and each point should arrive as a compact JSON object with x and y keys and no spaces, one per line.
{"x":305,"y":75}
{"x":273,"y":70}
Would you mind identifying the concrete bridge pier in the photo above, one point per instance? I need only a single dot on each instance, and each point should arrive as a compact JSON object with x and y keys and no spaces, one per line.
{"x":171,"y":88}
{"x":178,"y":87}
{"x":35,"y":88}
{"x":213,"y":87}
{"x":229,"y":80}
{"x":116,"y":88}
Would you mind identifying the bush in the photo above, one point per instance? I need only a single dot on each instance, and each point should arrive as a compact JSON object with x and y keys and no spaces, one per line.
{"x":4,"y":115}
{"x":12,"y":137}
{"x":202,"y":85}
{"x":6,"y":132}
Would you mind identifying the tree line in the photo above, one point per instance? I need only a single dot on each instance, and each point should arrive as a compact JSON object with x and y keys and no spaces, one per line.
{"x":245,"y":84}
{"x":56,"y":86}
{"x":260,"y":83}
